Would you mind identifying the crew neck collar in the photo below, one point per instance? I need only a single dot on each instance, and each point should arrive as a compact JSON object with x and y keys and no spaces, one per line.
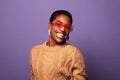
{"x":53,"y":47}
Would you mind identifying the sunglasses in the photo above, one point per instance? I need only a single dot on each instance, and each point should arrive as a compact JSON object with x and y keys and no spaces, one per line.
{"x":59,"y":25}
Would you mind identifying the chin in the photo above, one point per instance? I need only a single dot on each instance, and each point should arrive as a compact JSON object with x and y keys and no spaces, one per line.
{"x":60,"y":41}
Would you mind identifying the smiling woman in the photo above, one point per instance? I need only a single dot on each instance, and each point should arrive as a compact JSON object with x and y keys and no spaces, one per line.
{"x":60,"y":27}
{"x":56,"y":59}
{"x":59,"y":35}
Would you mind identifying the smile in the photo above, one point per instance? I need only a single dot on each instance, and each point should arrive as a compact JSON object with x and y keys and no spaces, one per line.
{"x":60,"y":35}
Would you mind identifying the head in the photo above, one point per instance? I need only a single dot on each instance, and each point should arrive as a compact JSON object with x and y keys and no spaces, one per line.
{"x":60,"y":25}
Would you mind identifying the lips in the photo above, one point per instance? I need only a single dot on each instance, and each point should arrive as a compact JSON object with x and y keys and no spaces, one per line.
{"x":60,"y":35}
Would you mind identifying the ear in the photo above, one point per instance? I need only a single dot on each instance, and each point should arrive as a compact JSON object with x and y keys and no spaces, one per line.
{"x":49,"y":26}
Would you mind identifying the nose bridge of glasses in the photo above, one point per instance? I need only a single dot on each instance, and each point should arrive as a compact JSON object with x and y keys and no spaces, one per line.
{"x":62,"y":27}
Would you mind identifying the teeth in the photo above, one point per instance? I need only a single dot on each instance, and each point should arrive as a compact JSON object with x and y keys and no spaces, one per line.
{"x":60,"y":35}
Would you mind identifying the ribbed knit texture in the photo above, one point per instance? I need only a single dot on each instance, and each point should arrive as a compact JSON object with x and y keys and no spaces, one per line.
{"x":63,"y":62}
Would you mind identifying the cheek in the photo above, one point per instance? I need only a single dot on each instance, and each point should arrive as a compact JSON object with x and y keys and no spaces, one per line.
{"x":67,"y":31}
{"x":53,"y":30}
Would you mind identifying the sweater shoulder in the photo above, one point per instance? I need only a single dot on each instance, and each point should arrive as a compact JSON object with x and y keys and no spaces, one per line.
{"x":71,"y":46}
{"x":36,"y":48}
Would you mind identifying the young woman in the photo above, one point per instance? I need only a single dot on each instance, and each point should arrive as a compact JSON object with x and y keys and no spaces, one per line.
{"x":55,"y":59}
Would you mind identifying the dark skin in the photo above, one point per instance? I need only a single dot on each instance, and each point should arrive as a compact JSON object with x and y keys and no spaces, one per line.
{"x":58,"y":36}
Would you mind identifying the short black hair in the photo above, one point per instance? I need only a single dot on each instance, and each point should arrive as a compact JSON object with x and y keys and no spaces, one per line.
{"x":61,"y":12}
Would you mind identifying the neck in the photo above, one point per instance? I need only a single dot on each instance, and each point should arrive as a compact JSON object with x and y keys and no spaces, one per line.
{"x":52,"y":43}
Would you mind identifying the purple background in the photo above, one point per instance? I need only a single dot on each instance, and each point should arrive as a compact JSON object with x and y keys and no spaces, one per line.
{"x":23,"y":24}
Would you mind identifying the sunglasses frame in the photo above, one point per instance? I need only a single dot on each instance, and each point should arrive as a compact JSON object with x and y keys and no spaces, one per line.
{"x":59,"y":24}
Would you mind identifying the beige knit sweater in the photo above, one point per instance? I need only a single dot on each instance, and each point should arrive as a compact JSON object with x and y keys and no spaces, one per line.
{"x":57,"y":63}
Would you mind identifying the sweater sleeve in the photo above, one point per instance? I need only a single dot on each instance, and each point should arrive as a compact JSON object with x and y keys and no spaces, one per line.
{"x":31,"y":68}
{"x":78,"y":67}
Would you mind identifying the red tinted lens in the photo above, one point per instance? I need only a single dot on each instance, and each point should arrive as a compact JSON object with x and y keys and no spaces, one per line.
{"x":59,"y":24}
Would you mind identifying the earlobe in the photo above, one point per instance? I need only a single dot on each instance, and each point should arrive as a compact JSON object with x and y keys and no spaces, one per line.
{"x":49,"y":32}
{"x":49,"y":28}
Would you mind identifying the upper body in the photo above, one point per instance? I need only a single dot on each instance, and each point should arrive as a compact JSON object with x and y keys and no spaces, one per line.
{"x":55,"y":59}
{"x":57,"y":63}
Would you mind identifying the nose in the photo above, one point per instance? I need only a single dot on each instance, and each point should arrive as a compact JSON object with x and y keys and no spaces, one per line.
{"x":62,"y":28}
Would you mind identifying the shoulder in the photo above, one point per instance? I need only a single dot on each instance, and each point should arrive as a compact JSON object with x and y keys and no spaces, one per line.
{"x":72,"y":47}
{"x":35,"y":49}
{"x":75,"y":50}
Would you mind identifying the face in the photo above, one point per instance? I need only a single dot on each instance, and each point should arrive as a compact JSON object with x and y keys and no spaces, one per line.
{"x":60,"y":29}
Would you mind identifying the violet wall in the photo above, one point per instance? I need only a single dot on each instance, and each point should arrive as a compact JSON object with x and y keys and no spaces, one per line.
{"x":23,"y":24}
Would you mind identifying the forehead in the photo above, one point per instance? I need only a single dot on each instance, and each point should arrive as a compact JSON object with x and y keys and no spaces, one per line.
{"x":63,"y":18}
